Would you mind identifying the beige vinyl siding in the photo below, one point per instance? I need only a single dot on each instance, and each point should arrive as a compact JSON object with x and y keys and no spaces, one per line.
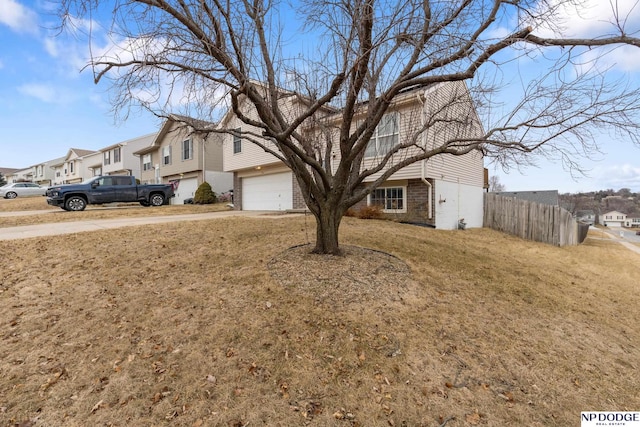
{"x":213,"y":152}
{"x":148,"y":176}
{"x":250,"y":155}
{"x":174,"y":138}
{"x":465,"y":169}
{"x":248,"y":173}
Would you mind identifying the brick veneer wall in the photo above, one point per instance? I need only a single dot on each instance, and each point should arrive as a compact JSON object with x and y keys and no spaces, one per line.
{"x":417,"y":198}
{"x":237,"y":192}
{"x":298,"y":200}
{"x":417,"y":194}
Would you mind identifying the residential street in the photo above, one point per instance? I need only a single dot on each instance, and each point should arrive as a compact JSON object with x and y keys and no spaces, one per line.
{"x":625,"y":237}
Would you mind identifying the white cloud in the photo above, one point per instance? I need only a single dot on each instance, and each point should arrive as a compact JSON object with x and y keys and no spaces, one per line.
{"x":600,"y":17}
{"x":39,"y":91}
{"x":18,"y":17}
{"x":619,"y":176}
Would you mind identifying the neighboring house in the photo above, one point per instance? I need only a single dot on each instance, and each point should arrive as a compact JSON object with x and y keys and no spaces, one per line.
{"x":118,"y":159}
{"x":545,"y":197}
{"x":185,"y":159}
{"x":613,"y":219}
{"x":6,"y":172}
{"x":440,"y":192}
{"x":20,"y":175}
{"x":586,"y":216}
{"x":632,"y":221}
{"x":73,"y":168}
{"x":43,"y":173}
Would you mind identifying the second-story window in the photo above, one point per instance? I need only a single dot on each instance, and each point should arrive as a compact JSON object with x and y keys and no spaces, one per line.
{"x":187,"y":149}
{"x":116,"y":155}
{"x":107,"y":158}
{"x":146,"y":162}
{"x":71,"y":167}
{"x":166,"y":155}
{"x":237,"y":143}
{"x":385,"y":137}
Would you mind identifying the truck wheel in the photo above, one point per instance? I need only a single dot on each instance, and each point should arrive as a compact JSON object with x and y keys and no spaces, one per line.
{"x":156,"y":199}
{"x":75,"y":203}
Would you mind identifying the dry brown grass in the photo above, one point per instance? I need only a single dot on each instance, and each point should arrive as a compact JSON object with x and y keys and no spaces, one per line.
{"x":219,"y":323}
{"x":41,"y":213}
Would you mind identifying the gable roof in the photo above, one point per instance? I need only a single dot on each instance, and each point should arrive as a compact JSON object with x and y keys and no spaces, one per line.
{"x":166,"y":127}
{"x":8,"y":171}
{"x":79,"y":152}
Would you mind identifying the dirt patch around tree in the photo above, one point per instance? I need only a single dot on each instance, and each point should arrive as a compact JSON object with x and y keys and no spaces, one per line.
{"x":360,"y":275}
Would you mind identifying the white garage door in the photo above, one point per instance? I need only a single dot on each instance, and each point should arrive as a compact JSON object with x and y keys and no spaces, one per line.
{"x":186,"y":189}
{"x":268,"y":192}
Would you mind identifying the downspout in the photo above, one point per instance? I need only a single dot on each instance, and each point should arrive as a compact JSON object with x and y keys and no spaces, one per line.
{"x":423,"y":169}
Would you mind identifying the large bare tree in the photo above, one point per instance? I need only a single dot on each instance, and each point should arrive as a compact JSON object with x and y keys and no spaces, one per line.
{"x":355,"y":57}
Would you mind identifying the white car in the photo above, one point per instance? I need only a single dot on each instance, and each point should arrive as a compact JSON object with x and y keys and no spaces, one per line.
{"x":21,"y":189}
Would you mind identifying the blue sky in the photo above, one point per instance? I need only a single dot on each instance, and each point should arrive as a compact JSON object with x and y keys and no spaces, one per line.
{"x":47,"y":105}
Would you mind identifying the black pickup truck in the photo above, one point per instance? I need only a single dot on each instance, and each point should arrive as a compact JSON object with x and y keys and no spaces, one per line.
{"x":108,"y":189}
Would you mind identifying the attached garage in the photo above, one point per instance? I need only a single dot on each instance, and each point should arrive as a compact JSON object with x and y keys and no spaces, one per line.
{"x":186,"y":189}
{"x":273,"y":192}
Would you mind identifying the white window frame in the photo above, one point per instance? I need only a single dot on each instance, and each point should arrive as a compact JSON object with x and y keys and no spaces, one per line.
{"x":106,"y":158}
{"x":187,"y":149}
{"x":237,"y":143}
{"x":146,"y":162}
{"x":117,"y":155}
{"x":386,"y":189}
{"x":166,"y":155}
{"x":381,"y":133}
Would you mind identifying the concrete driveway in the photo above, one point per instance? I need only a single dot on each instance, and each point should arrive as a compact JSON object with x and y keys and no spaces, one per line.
{"x":58,"y":228}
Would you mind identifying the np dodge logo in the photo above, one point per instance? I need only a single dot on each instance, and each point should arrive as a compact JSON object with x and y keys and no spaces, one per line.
{"x":626,"y":419}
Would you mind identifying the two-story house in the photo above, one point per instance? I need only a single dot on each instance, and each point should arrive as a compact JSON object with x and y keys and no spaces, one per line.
{"x":632,"y":221}
{"x":119,"y":159}
{"x":440,"y":191}
{"x":186,"y":159}
{"x":20,"y":175}
{"x":43,"y":173}
{"x":73,"y":168}
{"x":613,"y":219}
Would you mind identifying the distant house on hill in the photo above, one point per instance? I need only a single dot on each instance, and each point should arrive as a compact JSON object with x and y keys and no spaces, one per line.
{"x":632,"y":221}
{"x":545,"y":197}
{"x":613,"y":219}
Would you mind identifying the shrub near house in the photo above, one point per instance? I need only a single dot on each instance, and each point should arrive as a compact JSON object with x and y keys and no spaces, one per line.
{"x":205,"y":195}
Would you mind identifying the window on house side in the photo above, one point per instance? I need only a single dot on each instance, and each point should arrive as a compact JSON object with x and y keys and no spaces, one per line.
{"x":146,"y":162}
{"x":107,"y":158}
{"x":391,"y":199}
{"x":237,"y":143}
{"x":385,"y":137}
{"x":166,"y":155}
{"x":116,"y":155}
{"x":187,"y":149}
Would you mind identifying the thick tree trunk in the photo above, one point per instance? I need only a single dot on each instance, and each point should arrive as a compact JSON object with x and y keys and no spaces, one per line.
{"x":327,"y":224}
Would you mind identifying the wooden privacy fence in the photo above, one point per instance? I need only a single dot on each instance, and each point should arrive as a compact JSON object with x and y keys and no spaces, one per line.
{"x":530,"y":220}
